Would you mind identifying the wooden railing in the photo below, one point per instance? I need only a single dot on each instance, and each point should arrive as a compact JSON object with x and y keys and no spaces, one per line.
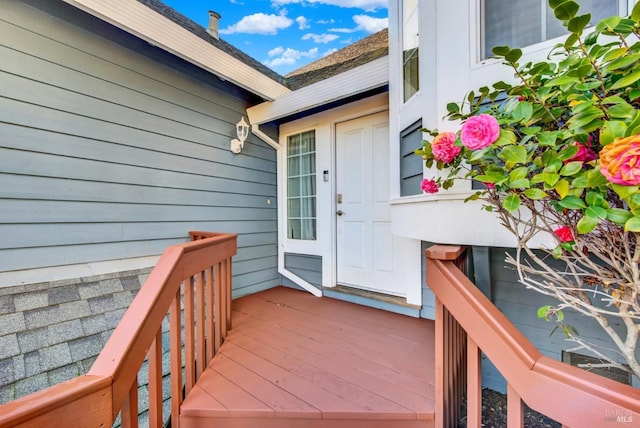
{"x":191,"y":280}
{"x":467,"y":323}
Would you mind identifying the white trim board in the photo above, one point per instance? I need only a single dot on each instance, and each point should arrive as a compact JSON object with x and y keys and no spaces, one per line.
{"x":145,"y":23}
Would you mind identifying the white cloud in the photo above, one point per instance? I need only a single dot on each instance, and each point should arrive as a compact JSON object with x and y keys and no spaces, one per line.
{"x":281,"y":56}
{"x":327,"y":21}
{"x":320,"y":38}
{"x":303,"y":23}
{"x":368,"y":5}
{"x":260,"y":23}
{"x":343,"y":30}
{"x":370,"y":24}
{"x":364,"y":23}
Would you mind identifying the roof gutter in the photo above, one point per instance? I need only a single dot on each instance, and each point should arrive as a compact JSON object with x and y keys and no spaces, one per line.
{"x":145,"y":23}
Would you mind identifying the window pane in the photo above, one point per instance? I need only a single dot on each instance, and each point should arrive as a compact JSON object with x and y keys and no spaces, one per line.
{"x":293,"y":229}
{"x":301,"y":186}
{"x":293,"y":207}
{"x":293,"y":187}
{"x":526,"y":22}
{"x":410,"y":52}
{"x":294,"y":166}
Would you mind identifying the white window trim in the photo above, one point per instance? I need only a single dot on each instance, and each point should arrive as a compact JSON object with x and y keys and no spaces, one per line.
{"x":296,"y":245}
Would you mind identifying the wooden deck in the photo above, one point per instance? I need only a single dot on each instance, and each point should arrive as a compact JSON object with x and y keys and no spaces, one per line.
{"x":295,"y":360}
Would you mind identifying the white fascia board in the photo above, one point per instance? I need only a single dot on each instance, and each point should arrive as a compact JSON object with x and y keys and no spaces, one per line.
{"x":156,"y":29}
{"x":355,"y":81}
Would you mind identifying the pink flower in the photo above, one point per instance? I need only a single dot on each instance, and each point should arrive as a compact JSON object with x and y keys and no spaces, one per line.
{"x":585,"y":154}
{"x":429,"y":186}
{"x":443,"y":147}
{"x":620,"y":161}
{"x":480,"y":131}
{"x":489,"y":185}
{"x":564,"y":233}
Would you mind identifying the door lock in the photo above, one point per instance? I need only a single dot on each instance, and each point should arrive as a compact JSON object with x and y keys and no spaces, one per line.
{"x":340,"y":213}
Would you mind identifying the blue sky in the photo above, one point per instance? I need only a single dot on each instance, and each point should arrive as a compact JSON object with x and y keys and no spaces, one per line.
{"x":287,"y":34}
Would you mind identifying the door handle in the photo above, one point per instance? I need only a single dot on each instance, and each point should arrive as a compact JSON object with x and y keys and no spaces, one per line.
{"x":340,"y":213}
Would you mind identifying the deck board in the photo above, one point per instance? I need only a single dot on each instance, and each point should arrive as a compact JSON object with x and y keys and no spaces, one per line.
{"x":295,"y":360}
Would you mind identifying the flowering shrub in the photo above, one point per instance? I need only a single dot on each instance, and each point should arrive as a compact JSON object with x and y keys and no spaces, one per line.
{"x":559,"y":154}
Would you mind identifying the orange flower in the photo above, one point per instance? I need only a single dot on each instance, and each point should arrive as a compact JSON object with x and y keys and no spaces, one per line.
{"x":620,"y":161}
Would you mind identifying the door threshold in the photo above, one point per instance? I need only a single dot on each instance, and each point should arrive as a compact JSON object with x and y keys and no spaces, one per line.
{"x":373,"y":299}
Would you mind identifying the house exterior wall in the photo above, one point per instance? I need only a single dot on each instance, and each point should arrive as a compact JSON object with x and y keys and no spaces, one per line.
{"x":113,"y":153}
{"x":110,"y":150}
{"x":521,"y":305}
{"x":304,"y":266}
{"x":449,"y":69}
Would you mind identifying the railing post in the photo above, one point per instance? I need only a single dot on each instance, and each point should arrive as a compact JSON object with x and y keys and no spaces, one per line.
{"x":474,"y":383}
{"x":155,"y":381}
{"x":515,"y":408}
{"x":450,"y":350}
{"x":439,"y":366}
{"x":129,"y":413}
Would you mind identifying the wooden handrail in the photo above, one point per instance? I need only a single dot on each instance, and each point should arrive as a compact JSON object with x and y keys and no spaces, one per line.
{"x":567,"y":394}
{"x":194,"y":275}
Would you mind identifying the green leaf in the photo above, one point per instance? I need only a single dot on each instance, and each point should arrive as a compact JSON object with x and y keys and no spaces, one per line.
{"x":618,"y":216}
{"x":506,"y":138}
{"x":571,"y":168}
{"x":614,"y":54}
{"x":611,"y":130}
{"x":501,"y":86}
{"x":634,"y":202}
{"x":543,"y":311}
{"x":596,"y":212}
{"x":535,"y":193}
{"x":453,"y":108}
{"x":521,"y":183}
{"x":608,"y":24}
{"x":594,"y":199}
{"x":587,"y":86}
{"x":511,"y":203}
{"x":550,"y":178}
{"x":572,"y":203}
{"x":632,"y":225}
{"x":566,"y":10}
{"x":622,"y":63}
{"x":624,"y":191}
{"x":547,"y":138}
{"x":595,"y":178}
{"x":635,"y":13}
{"x":586,"y":122}
{"x":571,"y":40}
{"x":519,"y":173}
{"x":587,"y":224}
{"x":626,"y":80}
{"x":523,"y":111}
{"x":513,"y":55}
{"x":562,"y":187}
{"x":561,"y":81}
{"x":500,"y":51}
{"x":513,"y":154}
{"x":578,"y":23}
{"x":621,"y":111}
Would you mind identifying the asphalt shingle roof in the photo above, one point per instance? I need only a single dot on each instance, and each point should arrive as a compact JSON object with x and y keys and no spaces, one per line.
{"x":354,"y":55}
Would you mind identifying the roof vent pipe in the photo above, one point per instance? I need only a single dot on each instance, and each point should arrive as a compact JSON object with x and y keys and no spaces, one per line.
{"x":214,"y":17}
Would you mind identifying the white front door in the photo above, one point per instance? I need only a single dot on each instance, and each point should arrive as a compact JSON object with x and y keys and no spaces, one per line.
{"x":366,"y":249}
